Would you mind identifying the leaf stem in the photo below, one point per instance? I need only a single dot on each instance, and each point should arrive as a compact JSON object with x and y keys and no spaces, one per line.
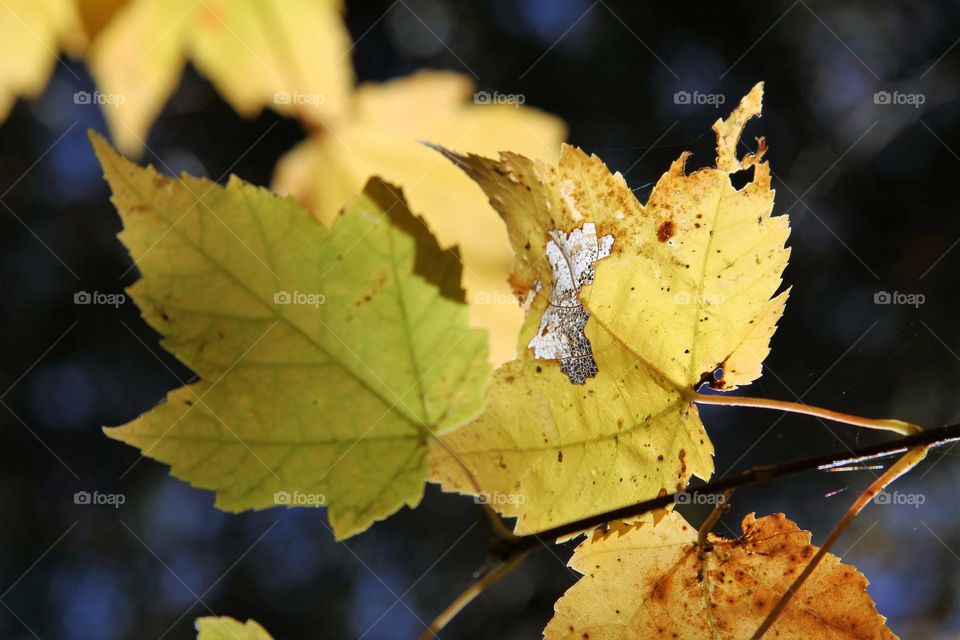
{"x":472,"y":592}
{"x":909,"y":460}
{"x":885,"y":424}
{"x":703,"y":547}
{"x":718,"y":510}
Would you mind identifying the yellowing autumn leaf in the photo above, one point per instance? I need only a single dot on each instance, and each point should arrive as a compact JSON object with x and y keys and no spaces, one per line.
{"x":689,"y":289}
{"x":591,"y":416}
{"x":97,"y":14}
{"x":225,"y":628}
{"x":289,"y":55}
{"x":648,"y":581}
{"x":32,"y":33}
{"x":379,"y":136}
{"x":327,"y":357}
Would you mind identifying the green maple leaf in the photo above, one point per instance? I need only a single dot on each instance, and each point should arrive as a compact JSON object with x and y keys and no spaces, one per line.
{"x":327,"y":358}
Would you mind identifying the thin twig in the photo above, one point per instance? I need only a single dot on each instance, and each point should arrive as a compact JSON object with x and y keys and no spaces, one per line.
{"x":496,"y":523}
{"x":512,"y":550}
{"x":704,"y":547}
{"x":722,"y":505}
{"x":900,"y":467}
{"x":472,"y":592}
{"x":932,"y":438}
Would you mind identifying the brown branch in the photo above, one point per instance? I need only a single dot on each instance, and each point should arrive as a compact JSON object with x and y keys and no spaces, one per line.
{"x":932,"y":438}
{"x":509,"y":552}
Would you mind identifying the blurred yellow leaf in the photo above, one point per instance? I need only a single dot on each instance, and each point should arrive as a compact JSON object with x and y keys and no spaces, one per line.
{"x":31,"y":35}
{"x":289,"y":55}
{"x":379,"y":137}
{"x":96,"y":14}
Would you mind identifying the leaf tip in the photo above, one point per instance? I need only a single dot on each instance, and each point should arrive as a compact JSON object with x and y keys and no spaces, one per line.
{"x":116,"y":433}
{"x":455,"y":157}
{"x":100,"y":145}
{"x":730,"y":129}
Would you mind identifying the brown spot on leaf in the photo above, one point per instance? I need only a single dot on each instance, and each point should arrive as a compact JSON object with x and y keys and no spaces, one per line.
{"x":161,"y":181}
{"x":736,"y":580}
{"x":372,"y":290}
{"x":666,"y":231}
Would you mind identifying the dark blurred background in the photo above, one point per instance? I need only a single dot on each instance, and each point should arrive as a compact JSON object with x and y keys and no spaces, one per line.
{"x":869,"y":183}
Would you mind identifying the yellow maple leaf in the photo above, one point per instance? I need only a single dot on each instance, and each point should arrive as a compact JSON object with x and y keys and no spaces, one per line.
{"x":689,"y":288}
{"x":226,"y":628}
{"x":379,"y":136}
{"x":597,"y":411}
{"x":31,"y":35}
{"x":647,"y":581}
{"x":289,"y":55}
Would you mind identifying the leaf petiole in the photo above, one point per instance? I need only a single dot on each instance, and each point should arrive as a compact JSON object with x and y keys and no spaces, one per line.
{"x":885,"y":424}
{"x":471,"y":592}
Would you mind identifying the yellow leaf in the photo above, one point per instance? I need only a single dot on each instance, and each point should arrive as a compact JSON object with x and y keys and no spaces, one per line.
{"x":379,"y":136}
{"x":96,"y":14}
{"x":596,"y":412}
{"x":226,"y":628}
{"x":289,"y":55}
{"x":327,"y":358}
{"x":650,"y":581}
{"x":690,"y":289}
{"x":31,"y":34}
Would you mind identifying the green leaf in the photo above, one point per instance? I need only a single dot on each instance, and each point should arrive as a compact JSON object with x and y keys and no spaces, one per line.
{"x":226,"y":628}
{"x":327,"y":358}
